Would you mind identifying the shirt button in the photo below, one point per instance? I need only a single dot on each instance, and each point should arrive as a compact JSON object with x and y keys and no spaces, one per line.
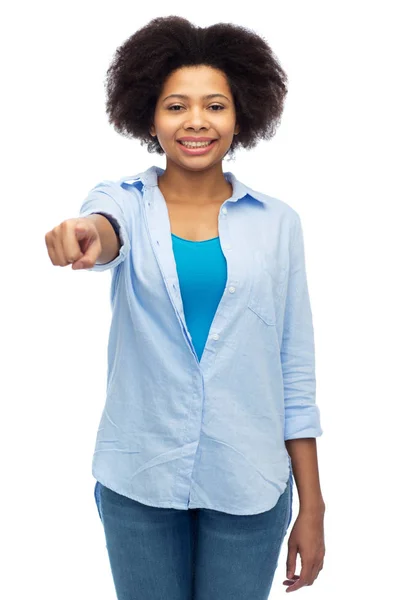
{"x":215,"y":336}
{"x":232,"y":289}
{"x":224,"y":210}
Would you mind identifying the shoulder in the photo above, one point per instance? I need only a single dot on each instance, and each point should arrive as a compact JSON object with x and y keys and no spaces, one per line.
{"x":276,"y":204}
{"x":124,"y":191}
{"x":277,"y":210}
{"x":271,"y":204}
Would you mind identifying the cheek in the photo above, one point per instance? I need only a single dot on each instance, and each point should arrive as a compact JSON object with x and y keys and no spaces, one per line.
{"x":167,"y":130}
{"x":227,"y":128}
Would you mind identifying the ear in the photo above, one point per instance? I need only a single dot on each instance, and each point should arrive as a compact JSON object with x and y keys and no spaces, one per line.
{"x":152,"y":131}
{"x":237,"y":129}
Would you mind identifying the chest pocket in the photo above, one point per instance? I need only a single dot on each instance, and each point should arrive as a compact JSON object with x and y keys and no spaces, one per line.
{"x":268,"y":287}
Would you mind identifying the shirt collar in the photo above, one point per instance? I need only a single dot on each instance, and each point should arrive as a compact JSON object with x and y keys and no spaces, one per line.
{"x":240,"y":190}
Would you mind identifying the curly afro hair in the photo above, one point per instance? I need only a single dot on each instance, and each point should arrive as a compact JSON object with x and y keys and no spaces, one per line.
{"x":142,"y":63}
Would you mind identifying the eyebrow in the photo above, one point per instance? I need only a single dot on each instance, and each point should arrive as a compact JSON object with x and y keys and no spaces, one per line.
{"x":204,"y":97}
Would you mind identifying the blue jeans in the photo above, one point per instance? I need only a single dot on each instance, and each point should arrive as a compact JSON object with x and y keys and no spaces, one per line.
{"x":195,"y":554}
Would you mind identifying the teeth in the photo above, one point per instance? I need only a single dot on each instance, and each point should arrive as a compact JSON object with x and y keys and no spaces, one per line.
{"x":196,"y":144}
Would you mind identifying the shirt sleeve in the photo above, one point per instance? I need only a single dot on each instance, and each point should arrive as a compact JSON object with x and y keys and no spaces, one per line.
{"x":104,"y":199}
{"x":302,"y":415}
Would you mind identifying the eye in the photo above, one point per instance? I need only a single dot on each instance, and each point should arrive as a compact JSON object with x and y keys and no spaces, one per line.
{"x":178,"y":106}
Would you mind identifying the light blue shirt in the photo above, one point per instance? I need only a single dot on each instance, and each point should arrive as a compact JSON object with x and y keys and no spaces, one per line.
{"x":179,"y":432}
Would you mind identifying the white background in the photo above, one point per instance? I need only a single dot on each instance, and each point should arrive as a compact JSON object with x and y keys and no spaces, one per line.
{"x":333,"y":159}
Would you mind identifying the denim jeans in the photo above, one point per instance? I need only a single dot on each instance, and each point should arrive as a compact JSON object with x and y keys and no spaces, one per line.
{"x":195,"y":554}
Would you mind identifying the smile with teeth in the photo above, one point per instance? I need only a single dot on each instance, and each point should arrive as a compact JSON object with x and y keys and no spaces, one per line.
{"x":196,"y":144}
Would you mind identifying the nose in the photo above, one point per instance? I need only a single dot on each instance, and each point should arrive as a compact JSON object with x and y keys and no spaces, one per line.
{"x":196,"y":119}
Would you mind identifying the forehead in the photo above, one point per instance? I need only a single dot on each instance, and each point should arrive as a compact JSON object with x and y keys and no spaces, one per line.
{"x":196,"y":79}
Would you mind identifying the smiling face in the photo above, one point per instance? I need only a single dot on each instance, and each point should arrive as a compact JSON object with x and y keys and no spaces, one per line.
{"x":195,"y":116}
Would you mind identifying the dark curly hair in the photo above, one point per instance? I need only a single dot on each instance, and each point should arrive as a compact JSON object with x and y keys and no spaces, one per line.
{"x":141,"y":64}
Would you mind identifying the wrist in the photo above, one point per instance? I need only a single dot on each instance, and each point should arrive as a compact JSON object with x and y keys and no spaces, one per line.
{"x":313,"y":507}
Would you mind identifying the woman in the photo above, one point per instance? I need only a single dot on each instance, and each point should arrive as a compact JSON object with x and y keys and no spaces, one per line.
{"x":211,"y":384}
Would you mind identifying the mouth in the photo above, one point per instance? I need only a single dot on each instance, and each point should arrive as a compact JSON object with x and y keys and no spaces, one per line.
{"x":197,"y":150}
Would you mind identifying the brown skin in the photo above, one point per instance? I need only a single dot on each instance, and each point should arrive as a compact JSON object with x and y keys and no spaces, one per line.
{"x":199,"y":181}
{"x":307,"y":535}
{"x":195,"y":179}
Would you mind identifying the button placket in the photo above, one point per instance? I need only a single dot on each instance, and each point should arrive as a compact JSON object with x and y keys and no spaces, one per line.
{"x":224,"y":212}
{"x":220,"y":315}
{"x":161,"y":242}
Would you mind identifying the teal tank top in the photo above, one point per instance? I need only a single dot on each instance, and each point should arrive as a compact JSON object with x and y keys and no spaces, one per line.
{"x":202,"y":273}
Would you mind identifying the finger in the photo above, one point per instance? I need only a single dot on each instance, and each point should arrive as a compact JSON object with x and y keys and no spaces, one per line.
{"x":291,"y":562}
{"x":290,"y":582}
{"x":92,"y":250}
{"x":50,"y":247}
{"x":70,"y":246}
{"x":313,"y":575}
{"x":58,"y":249}
{"x":303,"y":580}
{"x":315,"y":572}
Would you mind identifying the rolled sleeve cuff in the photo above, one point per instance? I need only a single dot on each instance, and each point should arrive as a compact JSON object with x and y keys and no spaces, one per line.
{"x":303,"y":424}
{"x":101,"y":202}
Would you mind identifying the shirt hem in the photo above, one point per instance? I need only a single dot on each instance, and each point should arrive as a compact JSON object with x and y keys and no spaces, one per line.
{"x":182,"y":506}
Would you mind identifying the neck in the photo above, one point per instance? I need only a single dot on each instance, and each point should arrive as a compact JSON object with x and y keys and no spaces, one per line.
{"x":194,"y":187}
